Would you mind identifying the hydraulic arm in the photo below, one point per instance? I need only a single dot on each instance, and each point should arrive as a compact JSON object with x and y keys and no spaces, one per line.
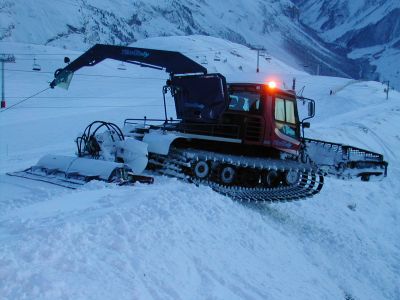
{"x":173,"y":62}
{"x":198,"y":96}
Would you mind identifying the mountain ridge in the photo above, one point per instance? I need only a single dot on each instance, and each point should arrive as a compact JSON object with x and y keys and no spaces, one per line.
{"x":277,"y":26}
{"x":364,"y":29}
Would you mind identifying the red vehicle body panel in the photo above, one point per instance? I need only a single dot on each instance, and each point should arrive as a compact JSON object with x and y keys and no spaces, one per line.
{"x":269,"y":134}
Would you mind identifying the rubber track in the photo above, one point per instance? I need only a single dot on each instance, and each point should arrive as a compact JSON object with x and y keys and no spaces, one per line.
{"x":310,"y":182}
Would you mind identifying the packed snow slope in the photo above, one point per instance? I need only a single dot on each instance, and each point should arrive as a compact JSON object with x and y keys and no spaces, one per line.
{"x":173,"y":240}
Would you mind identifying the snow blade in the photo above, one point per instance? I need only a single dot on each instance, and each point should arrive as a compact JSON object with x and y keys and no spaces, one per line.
{"x":73,"y":172}
{"x":346,"y":162}
{"x":141,"y":179}
{"x":52,"y":179}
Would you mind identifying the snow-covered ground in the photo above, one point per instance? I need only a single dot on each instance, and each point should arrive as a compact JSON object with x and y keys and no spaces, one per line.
{"x":174,"y":240}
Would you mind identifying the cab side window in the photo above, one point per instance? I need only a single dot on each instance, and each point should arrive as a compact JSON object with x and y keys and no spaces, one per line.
{"x":280,"y":110}
{"x":284,"y":111}
{"x":285,"y":117}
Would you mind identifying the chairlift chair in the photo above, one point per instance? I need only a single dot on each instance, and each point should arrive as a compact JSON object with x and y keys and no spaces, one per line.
{"x":217,"y":56}
{"x":121,"y":66}
{"x":36,"y":66}
{"x":204,"y":60}
{"x":267,"y":56}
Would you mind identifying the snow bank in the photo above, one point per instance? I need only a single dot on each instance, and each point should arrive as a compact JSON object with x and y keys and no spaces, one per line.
{"x":177,"y":241}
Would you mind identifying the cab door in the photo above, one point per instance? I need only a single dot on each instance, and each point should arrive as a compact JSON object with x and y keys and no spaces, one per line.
{"x":286,"y":130}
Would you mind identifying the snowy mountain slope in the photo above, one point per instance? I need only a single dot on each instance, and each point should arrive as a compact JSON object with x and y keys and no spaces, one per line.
{"x":335,"y":19}
{"x":79,"y":24}
{"x":177,"y":241}
{"x":367,"y":29}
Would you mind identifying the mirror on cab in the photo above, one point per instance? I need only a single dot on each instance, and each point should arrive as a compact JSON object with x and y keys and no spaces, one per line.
{"x":311,"y":109}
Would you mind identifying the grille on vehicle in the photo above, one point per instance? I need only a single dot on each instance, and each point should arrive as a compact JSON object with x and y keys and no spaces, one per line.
{"x":253,"y":129}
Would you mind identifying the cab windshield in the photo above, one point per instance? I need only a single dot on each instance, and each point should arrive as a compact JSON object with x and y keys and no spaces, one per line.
{"x":244,"y":101}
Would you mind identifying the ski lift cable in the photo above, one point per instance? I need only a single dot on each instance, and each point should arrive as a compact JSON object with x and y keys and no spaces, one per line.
{"x":94,"y":106}
{"x":43,"y":59}
{"x":87,"y":75}
{"x":79,"y":53}
{"x":45,"y":54}
{"x":23,"y":100}
{"x":81,"y":97}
